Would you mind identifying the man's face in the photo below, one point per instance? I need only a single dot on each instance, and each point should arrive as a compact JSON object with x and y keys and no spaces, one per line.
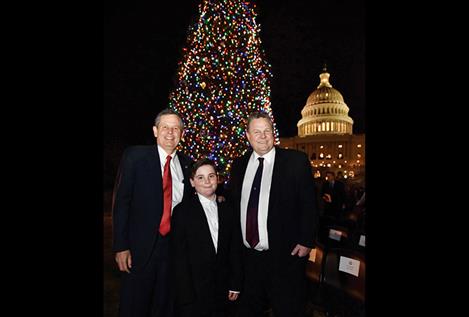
{"x":260,"y":135}
{"x":168,"y":133}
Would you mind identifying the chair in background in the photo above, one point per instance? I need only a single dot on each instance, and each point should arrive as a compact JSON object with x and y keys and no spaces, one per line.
{"x":351,"y":218}
{"x":358,"y":235}
{"x":359,"y":241}
{"x":315,"y":263}
{"x":314,"y":267}
{"x":343,"y":283}
{"x":335,"y":236}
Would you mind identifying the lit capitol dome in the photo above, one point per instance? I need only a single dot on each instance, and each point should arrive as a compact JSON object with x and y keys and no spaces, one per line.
{"x":325,"y":111}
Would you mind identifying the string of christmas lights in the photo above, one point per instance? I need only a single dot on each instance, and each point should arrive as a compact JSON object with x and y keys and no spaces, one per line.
{"x":222,"y":77}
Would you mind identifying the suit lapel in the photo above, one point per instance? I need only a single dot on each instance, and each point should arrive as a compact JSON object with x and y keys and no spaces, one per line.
{"x":155,"y":163}
{"x":154,"y":171}
{"x":203,"y":218}
{"x":277,"y":177}
{"x":185,"y":165}
{"x":242,"y":168}
{"x":221,"y":225}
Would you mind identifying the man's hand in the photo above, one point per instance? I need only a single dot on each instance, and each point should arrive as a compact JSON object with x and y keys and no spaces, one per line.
{"x":301,"y":251}
{"x":124,"y":261}
{"x":232,"y":296}
{"x":327,"y":198}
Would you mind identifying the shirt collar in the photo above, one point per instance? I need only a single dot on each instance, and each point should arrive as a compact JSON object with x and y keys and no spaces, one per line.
{"x":163,"y":154}
{"x":204,"y":200}
{"x":269,"y":156}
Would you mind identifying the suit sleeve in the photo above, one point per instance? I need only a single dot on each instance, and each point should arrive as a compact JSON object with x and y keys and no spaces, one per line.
{"x":182,"y":277}
{"x":309,"y":212}
{"x":235,"y":252}
{"x":122,"y":200}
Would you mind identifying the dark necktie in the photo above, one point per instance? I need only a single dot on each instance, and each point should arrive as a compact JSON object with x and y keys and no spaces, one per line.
{"x":252,"y":229}
{"x":165,"y":224}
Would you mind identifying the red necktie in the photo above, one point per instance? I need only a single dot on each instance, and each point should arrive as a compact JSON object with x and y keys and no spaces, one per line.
{"x":165,"y":224}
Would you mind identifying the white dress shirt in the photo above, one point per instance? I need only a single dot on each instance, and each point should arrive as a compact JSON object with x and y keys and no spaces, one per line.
{"x":211,"y":212}
{"x":177,"y":176}
{"x":266,"y":181}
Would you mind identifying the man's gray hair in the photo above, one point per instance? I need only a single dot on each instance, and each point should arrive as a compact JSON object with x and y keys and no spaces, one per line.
{"x":166,"y":112}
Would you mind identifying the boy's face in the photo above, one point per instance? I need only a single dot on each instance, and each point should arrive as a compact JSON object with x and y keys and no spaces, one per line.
{"x":205,"y":181}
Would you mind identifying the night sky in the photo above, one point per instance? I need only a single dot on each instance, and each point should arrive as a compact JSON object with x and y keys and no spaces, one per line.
{"x":143,"y":41}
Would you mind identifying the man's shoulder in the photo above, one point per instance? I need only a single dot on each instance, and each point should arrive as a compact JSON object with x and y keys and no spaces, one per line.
{"x":341,"y":184}
{"x":139,"y":151}
{"x":141,"y":148}
{"x":246,"y":155}
{"x":183,"y":157}
{"x":291,"y":153}
{"x":187,"y":205}
{"x":242,"y":158}
{"x":186,"y":163}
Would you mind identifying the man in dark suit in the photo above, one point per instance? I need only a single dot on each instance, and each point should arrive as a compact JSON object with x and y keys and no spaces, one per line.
{"x":205,"y":249}
{"x":278,"y":220}
{"x":151,"y":181}
{"x":334,"y":195}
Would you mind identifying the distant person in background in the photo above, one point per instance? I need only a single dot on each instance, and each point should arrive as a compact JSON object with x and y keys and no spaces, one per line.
{"x":361,"y":206}
{"x":340,"y":176}
{"x":205,"y":248}
{"x":334,"y":196}
{"x":361,"y":201}
{"x":151,"y":181}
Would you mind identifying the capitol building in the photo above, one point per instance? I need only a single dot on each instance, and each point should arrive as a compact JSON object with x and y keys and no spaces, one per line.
{"x":325,"y":133}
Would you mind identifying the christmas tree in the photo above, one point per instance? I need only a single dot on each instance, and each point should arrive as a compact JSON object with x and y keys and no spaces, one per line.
{"x":222,"y":77}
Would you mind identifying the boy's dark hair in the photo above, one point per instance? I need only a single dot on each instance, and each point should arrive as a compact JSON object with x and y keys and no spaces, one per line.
{"x":202,"y":162}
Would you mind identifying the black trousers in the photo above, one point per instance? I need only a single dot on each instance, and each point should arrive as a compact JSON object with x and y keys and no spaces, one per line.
{"x":145,"y":291}
{"x":273,"y":282}
{"x":191,"y":311}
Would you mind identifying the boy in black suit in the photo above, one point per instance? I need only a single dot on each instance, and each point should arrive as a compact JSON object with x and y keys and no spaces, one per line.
{"x":205,"y":250}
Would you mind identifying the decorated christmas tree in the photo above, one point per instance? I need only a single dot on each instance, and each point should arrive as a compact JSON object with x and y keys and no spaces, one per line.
{"x":222,"y":77}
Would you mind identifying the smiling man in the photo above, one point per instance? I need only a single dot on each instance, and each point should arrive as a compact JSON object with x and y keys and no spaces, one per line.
{"x":151,"y":181}
{"x":273,"y":192}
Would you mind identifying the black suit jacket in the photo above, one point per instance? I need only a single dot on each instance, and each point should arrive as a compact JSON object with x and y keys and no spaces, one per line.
{"x":138,"y":201}
{"x":338,"y":198}
{"x":203,"y":277}
{"x":292,"y":215}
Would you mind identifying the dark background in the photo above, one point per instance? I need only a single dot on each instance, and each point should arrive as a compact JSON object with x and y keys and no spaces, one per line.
{"x":143,"y":41}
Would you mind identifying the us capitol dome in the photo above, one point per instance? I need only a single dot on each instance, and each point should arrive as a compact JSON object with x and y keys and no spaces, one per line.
{"x":325,"y":133}
{"x":325,"y":111}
